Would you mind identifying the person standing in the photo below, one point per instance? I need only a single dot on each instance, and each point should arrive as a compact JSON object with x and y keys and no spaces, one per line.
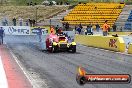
{"x":30,"y":22}
{"x":86,"y":31}
{"x":121,"y":29}
{"x":60,"y":30}
{"x":34,"y":22}
{"x":97,"y":27}
{"x":20,"y":21}
{"x":114,"y":28}
{"x":27,"y":22}
{"x":40,"y":34}
{"x":14,"y":21}
{"x":80,"y":25}
{"x":75,"y":29}
{"x":52,"y":30}
{"x":90,"y":25}
{"x":67,"y":26}
{"x":106,"y":27}
{"x":4,"y":21}
{"x":89,"y":30}
{"x":1,"y":34}
{"x":56,"y":28}
{"x":79,"y":30}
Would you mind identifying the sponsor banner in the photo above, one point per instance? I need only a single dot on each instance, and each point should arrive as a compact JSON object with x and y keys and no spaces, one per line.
{"x":38,"y":30}
{"x":83,"y":77}
{"x":16,"y":30}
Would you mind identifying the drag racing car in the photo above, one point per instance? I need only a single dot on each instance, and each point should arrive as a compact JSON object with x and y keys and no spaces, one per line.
{"x":60,"y":42}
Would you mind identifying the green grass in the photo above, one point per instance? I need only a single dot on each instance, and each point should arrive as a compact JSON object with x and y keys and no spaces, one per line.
{"x":72,"y":2}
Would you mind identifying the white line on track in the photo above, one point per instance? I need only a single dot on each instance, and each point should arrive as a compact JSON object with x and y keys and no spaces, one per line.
{"x":26,"y":73}
{"x":3,"y":79}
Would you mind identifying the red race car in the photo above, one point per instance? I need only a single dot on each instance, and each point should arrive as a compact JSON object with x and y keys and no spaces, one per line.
{"x":59,"y":42}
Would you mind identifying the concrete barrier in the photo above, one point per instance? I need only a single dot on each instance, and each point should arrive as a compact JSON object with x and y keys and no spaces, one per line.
{"x":130,"y":49}
{"x":108,"y":42}
{"x":120,"y":33}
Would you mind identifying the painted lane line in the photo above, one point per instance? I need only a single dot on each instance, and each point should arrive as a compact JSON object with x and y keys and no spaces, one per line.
{"x":3,"y":79}
{"x":31,"y":80}
{"x":26,"y":73}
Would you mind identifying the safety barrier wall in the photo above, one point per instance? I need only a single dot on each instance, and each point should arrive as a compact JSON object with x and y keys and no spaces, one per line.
{"x":130,"y":49}
{"x":25,"y":30}
{"x":108,"y":42}
{"x":120,"y":33}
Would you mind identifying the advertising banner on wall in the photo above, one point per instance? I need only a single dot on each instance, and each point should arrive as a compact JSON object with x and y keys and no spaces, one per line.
{"x":16,"y":30}
{"x":37,"y":30}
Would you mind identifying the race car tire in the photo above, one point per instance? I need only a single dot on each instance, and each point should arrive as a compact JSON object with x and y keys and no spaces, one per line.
{"x":54,"y":49}
{"x":73,"y":49}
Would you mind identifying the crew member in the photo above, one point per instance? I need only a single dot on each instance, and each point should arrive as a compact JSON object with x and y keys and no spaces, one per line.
{"x":60,"y":31}
{"x":1,"y":35}
{"x":40,"y":34}
{"x":106,"y":27}
{"x":52,"y":31}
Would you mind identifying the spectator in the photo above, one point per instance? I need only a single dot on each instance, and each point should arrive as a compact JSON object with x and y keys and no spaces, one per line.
{"x":57,"y":28}
{"x":57,"y":3}
{"x":52,"y":31}
{"x":83,"y":31}
{"x":105,"y":28}
{"x":86,"y":30}
{"x":1,"y":34}
{"x":89,"y":30}
{"x":67,"y":26}
{"x":51,"y":3}
{"x":63,"y":24}
{"x":30,"y":22}
{"x":90,"y":25}
{"x":34,"y":22}
{"x":60,"y":30}
{"x":61,"y":3}
{"x":20,"y":21}
{"x":75,"y":29}
{"x":63,"y":19}
{"x":40,"y":34}
{"x":28,"y":4}
{"x":27,"y":22}
{"x":121,"y":29}
{"x":5,"y":21}
{"x":122,"y":1}
{"x":35,"y":3}
{"x":80,"y":3}
{"x":67,"y":3}
{"x":79,"y":30}
{"x":97,"y":27}
{"x":114,"y":28}
{"x":80,"y":25}
{"x":31,"y":3}
{"x":14,"y":21}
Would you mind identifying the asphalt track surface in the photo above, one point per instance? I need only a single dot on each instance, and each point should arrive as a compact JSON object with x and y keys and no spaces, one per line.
{"x":58,"y":70}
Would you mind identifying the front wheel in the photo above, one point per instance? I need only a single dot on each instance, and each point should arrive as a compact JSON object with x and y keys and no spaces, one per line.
{"x":73,"y":49}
